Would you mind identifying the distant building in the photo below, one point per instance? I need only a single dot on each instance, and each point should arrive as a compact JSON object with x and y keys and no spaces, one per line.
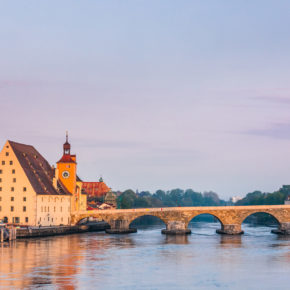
{"x":234,"y":199}
{"x":104,"y":206}
{"x":111,"y":198}
{"x":96,"y":189}
{"x":285,"y":189}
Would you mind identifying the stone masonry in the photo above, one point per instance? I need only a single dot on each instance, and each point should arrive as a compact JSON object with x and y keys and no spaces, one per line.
{"x":177,"y":219}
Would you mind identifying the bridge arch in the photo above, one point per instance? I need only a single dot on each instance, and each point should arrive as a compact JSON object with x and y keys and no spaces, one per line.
{"x":268,"y":216}
{"x":248,"y":214}
{"x":215,"y":216}
{"x":192,"y":217}
{"x":147,"y":215}
{"x":78,"y":219}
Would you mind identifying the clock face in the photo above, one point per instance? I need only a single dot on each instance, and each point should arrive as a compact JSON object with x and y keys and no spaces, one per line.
{"x":65,"y":174}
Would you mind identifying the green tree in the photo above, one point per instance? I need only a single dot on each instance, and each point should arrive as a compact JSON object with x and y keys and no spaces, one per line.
{"x":127,"y":199}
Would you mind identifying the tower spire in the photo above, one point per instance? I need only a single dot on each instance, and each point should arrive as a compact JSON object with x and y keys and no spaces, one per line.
{"x":66,"y":145}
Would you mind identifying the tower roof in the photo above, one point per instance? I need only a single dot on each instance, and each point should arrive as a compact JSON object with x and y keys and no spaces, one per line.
{"x":67,"y":157}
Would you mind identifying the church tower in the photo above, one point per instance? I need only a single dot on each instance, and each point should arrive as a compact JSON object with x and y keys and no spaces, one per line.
{"x":67,"y":168}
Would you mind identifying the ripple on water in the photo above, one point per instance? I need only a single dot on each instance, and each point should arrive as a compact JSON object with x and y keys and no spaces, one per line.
{"x":149,"y":260}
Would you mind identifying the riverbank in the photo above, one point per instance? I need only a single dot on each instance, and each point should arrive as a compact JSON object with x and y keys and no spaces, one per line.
{"x":33,"y":232}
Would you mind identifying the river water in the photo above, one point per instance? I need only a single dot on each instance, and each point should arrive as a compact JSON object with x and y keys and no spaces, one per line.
{"x":149,"y":260}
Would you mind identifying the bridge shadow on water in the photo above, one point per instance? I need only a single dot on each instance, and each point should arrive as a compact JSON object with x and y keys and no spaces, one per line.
{"x":176,"y":239}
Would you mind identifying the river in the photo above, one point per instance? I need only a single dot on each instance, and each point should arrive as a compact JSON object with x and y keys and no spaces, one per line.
{"x":149,"y":260}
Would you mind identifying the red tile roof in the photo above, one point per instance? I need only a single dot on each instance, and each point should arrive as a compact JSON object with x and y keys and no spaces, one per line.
{"x":66,"y":158}
{"x":96,"y":189}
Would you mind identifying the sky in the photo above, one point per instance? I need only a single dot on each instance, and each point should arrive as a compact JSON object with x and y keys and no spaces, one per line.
{"x":154,"y":94}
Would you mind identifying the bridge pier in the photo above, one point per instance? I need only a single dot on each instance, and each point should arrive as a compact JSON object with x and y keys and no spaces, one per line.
{"x":120,"y":227}
{"x":284,"y":229}
{"x":234,"y":229}
{"x":176,"y":228}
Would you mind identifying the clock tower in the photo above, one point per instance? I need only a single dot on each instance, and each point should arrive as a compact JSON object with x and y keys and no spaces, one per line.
{"x":67,"y":168}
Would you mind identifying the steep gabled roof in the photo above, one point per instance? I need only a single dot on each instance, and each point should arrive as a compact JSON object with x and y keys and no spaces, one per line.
{"x":37,"y":170}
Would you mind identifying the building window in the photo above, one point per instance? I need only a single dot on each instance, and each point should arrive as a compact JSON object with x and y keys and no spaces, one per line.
{"x":7,"y":154}
{"x":26,"y":219}
{"x":3,"y":162}
{"x":0,"y":188}
{"x":14,"y":179}
{"x":17,"y":220}
{"x":24,"y":198}
{"x":12,"y":198}
{"x":13,"y":171}
{"x":12,"y":188}
{"x":0,"y":208}
{"x":61,"y":208}
{"x":54,"y":209}
{"x":24,"y":208}
{"x":24,"y":189}
{"x":0,"y":198}
{"x":40,"y":219}
{"x":0,"y":171}
{"x":12,"y":208}
{"x":42,"y":209}
{"x":11,"y":162}
{"x":0,"y":179}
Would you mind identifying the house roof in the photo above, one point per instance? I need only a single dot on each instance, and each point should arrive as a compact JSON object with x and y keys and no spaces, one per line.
{"x":37,"y":170}
{"x":96,"y":189}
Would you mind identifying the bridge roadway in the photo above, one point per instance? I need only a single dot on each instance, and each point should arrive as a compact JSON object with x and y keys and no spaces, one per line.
{"x":177,"y":219}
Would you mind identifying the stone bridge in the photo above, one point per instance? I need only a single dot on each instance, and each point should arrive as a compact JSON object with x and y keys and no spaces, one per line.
{"x":177,"y":219}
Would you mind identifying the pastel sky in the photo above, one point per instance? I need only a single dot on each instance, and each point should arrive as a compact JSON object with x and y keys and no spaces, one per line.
{"x":155,"y":94}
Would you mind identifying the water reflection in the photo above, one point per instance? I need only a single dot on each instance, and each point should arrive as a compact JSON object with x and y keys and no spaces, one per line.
{"x":40,"y":262}
{"x":230,"y":241}
{"x":176,"y":239}
{"x":137,"y":261}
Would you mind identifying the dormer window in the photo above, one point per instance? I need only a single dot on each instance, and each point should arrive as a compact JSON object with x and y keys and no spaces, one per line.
{"x":7,"y":153}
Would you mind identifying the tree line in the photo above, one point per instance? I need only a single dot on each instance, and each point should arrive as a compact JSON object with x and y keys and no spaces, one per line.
{"x":178,"y":197}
